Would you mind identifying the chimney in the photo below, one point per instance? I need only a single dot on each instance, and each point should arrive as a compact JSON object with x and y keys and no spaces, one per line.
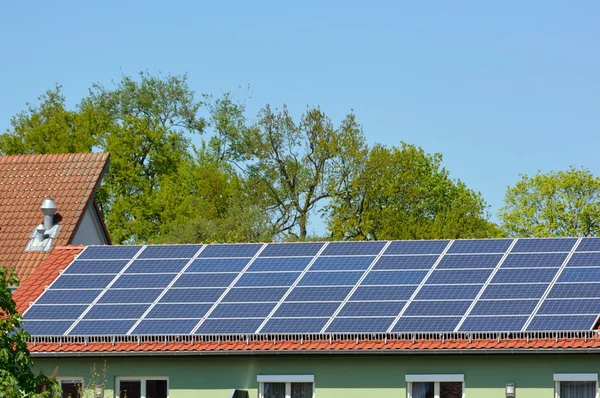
{"x":49,"y":209}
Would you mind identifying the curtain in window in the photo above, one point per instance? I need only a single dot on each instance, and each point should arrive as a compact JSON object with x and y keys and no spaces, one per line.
{"x":274,"y":390}
{"x":577,"y":389}
{"x":422,"y":390}
{"x":302,"y":390}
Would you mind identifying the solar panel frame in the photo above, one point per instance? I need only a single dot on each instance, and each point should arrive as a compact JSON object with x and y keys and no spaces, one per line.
{"x":116,"y":252}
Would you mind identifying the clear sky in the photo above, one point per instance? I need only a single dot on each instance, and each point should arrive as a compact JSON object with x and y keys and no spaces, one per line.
{"x":500,"y":88}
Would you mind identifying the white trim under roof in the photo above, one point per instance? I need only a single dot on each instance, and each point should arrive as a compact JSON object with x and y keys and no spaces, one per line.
{"x":285,"y":378}
{"x":433,"y":378}
{"x":575,"y":376}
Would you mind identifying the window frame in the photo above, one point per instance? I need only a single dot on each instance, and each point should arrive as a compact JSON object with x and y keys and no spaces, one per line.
{"x":287,"y":379}
{"x":436,"y":379}
{"x":559,"y":377}
{"x":142,"y":380}
{"x":74,"y":379}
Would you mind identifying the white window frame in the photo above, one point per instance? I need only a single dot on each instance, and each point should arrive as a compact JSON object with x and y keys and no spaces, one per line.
{"x":142,"y":380}
{"x":436,"y":379}
{"x":558,"y":377}
{"x":287,"y":379}
{"x":75,"y":379}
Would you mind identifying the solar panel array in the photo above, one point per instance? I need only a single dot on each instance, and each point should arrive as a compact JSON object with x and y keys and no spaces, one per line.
{"x":491,"y":285}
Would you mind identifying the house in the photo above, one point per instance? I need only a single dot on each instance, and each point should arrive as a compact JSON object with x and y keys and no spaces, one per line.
{"x":48,"y":201}
{"x":416,"y":319}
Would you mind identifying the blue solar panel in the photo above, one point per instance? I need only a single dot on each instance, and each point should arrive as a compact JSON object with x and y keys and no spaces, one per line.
{"x":444,"y":277}
{"x":562,"y":322}
{"x":589,"y":245}
{"x":280,"y":264}
{"x":143,"y":281}
{"x":252,"y":310}
{"x":299,"y":310}
{"x":191,"y":295}
{"x":254,"y":294}
{"x":130,"y":296}
{"x":570,"y":306}
{"x":170,"y":251}
{"x":451,"y":292}
{"x":544,"y":245}
{"x":291,"y":249}
{"x":480,"y":246}
{"x":405,"y":262}
{"x":584,"y":260}
{"x":504,"y":307}
{"x":96,"y":267}
{"x":417,"y":247}
{"x":342,"y":263}
{"x":152,"y":326}
{"x":426,"y":324}
{"x":68,"y":296}
{"x":226,"y":326}
{"x":575,"y":290}
{"x":372,"y":308}
{"x":383,"y":293}
{"x":394,"y":278}
{"x":329,"y":293}
{"x":437,"y":308}
{"x":268,"y":279}
{"x":353,"y":248}
{"x":493,"y":324}
{"x":47,"y":328}
{"x":82,"y":281}
{"x":513,"y":291}
{"x":330,"y":278}
{"x":360,"y":325}
{"x":178,"y":311}
{"x":294,"y":325}
{"x":104,"y":327}
{"x":218,"y":265}
{"x":524,"y":275}
{"x":580,"y":275}
{"x":523,"y":260}
{"x":231,"y":250}
{"x":470,"y":261}
{"x":55,"y":312}
{"x":205,"y":280}
{"x":155,"y":266}
{"x":116,"y":311}
{"x":109,"y":252}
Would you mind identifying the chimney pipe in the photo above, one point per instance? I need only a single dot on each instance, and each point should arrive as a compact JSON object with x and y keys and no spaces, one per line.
{"x":49,"y":209}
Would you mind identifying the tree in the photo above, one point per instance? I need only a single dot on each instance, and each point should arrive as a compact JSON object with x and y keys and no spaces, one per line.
{"x":405,"y":193}
{"x":16,"y":377}
{"x":554,"y":204}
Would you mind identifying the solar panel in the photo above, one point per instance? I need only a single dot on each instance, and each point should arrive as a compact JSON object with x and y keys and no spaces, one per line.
{"x":345,"y":287}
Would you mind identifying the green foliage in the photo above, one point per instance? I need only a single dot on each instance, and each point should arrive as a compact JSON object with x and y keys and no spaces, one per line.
{"x":563,"y":203}
{"x":16,"y":376}
{"x":405,"y":193}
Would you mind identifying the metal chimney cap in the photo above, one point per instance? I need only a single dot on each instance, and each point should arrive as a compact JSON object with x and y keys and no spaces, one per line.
{"x":48,"y":207}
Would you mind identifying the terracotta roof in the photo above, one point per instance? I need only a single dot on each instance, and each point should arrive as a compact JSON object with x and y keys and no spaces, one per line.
{"x":61,"y":257}
{"x":25,"y":180}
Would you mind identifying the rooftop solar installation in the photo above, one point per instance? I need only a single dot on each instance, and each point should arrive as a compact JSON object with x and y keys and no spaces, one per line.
{"x":491,"y":285}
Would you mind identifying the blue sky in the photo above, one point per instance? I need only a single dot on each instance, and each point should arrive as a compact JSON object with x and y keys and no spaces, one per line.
{"x":499,"y":88}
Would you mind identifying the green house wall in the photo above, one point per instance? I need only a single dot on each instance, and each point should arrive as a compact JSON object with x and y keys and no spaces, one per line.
{"x":336,"y":376}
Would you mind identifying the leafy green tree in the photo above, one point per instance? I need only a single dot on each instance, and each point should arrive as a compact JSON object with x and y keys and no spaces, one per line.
{"x":553,"y":204}
{"x":16,"y":376}
{"x":405,"y":193}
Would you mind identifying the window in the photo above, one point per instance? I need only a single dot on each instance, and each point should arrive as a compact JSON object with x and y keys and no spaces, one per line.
{"x":435,"y":386}
{"x":281,"y":386}
{"x":142,"y":387}
{"x":72,"y":387}
{"x":576,"y":385}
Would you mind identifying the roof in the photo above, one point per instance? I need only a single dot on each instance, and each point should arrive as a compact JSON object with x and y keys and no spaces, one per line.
{"x":25,"y":180}
{"x":431,"y":343}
